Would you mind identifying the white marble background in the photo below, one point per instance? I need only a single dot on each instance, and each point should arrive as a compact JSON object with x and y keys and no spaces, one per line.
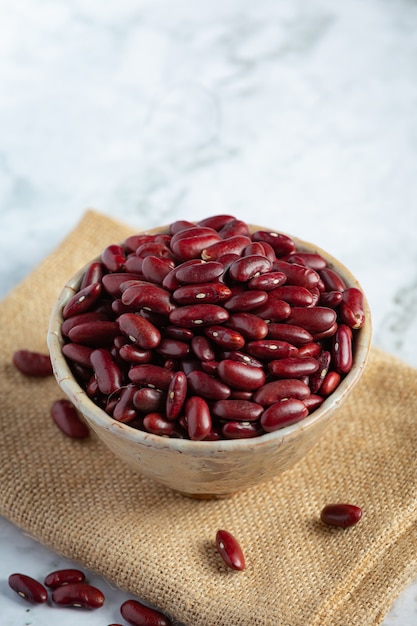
{"x":298,"y":115}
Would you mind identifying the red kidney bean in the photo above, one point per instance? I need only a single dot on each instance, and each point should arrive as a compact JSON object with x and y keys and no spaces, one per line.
{"x":175,"y":332}
{"x":133,"y":242}
{"x":173,"y":348}
{"x":154,"y":248}
{"x":277,"y":390}
{"x":242,"y":357}
{"x":229,"y":549}
{"x":296,"y":335}
{"x":171,"y":282}
{"x":28,"y":588}
{"x":233,"y":429}
{"x":32,"y":363}
{"x":80,"y":595}
{"x":312,"y":348}
{"x":315,"y":294}
{"x":341,"y":350}
{"x":107,"y":372}
{"x":332,"y":280}
{"x":82,"y":301}
{"x":233,"y":228}
{"x":240,"y":376}
{"x":93,"y":274}
{"x":341,"y":514}
{"x":309,"y":259}
{"x":293,"y":367}
{"x":231,"y":245}
{"x":197,"y":273}
{"x":297,"y":274}
{"x":209,"y":367}
{"x":267,"y":281}
{"x":246,"y":301}
{"x":250,"y":326}
{"x":314,"y":319}
{"x":280,"y":243}
{"x":198,"y":418}
{"x":100,"y":333}
{"x":203,"y":348}
{"x":133,"y":354}
{"x":351,"y":309}
{"x":63,"y":577}
{"x":149,"y":400}
{"x":113,"y":258}
{"x":270,"y":349}
{"x":192,"y":242}
{"x":209,"y":293}
{"x":176,"y":395}
{"x":296,"y":295}
{"x":330,"y":382}
{"x":134,"y":265}
{"x":138,"y":614}
{"x":112,"y":282}
{"x":247,"y":267}
{"x":238,"y":410}
{"x":283,"y":413}
{"x":194,"y":315}
{"x":254,"y":248}
{"x":217,"y":222}
{"x":155,"y":268}
{"x":274,"y":310}
{"x":180,"y":225}
{"x":226,"y":337}
{"x":239,"y":394}
{"x":207,"y":386}
{"x":330,"y":298}
{"x":67,"y":418}
{"x":77,"y":353}
{"x":316,"y":379}
{"x":150,"y":297}
{"x":151,"y":375}
{"x":91,"y":316}
{"x":139,"y":330}
{"x":313,"y":402}
{"x":158,"y":424}
{"x":124,"y":410}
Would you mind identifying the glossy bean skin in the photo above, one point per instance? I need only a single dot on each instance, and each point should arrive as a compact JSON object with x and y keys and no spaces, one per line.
{"x":63,"y":577}
{"x":139,"y":330}
{"x":315,"y":319}
{"x":248,"y":325}
{"x":202,"y":348}
{"x":113,"y":257}
{"x":149,"y":400}
{"x":151,"y":297}
{"x":157,"y":424}
{"x":227,"y":338}
{"x":82,"y":301}
{"x":277,"y":390}
{"x":229,"y":549}
{"x":341,"y":514}
{"x":155,"y":268}
{"x":124,"y":410}
{"x":217,"y":222}
{"x":93,"y":274}
{"x":138,"y":614}
{"x":316,"y":379}
{"x":231,"y":245}
{"x":209,"y":293}
{"x":77,"y":353}
{"x":198,"y":418}
{"x":296,"y":295}
{"x":66,"y":417}
{"x":293,"y":367}
{"x":192,"y":242}
{"x":351,"y":308}
{"x":330,"y":383}
{"x":270,"y":349}
{"x":198,"y":315}
{"x":332,"y":280}
{"x":28,"y":588}
{"x":283,"y":413}
{"x":94,"y":334}
{"x":176,"y":395}
{"x":30,"y":363}
{"x":207,"y":386}
{"x":234,"y":429}
{"x":240,"y":410}
{"x":112,"y":282}
{"x":297,"y":274}
{"x":293,"y":334}
{"x":246,"y":301}
{"x":199,"y":272}
{"x":342,"y":356}
{"x":107,"y":372}
{"x":151,"y":375}
{"x":79,"y":595}
{"x":240,"y":376}
{"x":248,"y":267}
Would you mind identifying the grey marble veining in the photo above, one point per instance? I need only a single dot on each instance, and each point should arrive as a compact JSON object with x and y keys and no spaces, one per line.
{"x":298,"y":115}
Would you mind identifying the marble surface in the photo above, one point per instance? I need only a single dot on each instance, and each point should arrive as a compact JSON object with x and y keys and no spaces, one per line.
{"x":302,"y":116}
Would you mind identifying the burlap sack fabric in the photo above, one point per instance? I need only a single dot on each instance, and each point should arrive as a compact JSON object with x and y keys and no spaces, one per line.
{"x":77,"y":498}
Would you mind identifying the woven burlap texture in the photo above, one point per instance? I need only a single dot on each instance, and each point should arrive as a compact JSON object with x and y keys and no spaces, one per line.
{"x":77,"y":498}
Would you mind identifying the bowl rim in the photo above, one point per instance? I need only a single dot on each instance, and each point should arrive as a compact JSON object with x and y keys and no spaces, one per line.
{"x":100,"y":419}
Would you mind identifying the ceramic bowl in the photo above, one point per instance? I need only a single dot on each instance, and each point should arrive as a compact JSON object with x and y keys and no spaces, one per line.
{"x":208,"y":469}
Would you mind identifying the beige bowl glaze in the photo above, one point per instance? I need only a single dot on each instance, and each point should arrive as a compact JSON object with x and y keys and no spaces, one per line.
{"x":206,"y":469}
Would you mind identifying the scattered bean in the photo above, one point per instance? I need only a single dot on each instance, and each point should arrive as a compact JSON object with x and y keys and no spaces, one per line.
{"x":341,"y":514}
{"x":229,"y":549}
{"x":33,"y":364}
{"x":28,"y":588}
